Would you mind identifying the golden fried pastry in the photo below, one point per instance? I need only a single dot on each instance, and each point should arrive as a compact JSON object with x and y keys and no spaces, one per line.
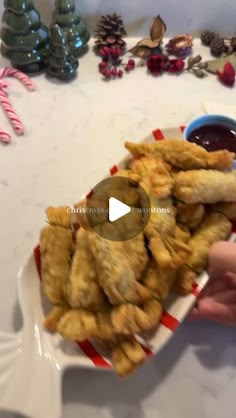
{"x":78,"y":216}
{"x":190,"y":215}
{"x":163,"y":212}
{"x":115,"y":273}
{"x":136,"y":253}
{"x":168,"y":251}
{"x":154,"y":175}
{"x":126,"y":356}
{"x":227,"y":208}
{"x":160,"y":253}
{"x":55,"y":249}
{"x":128,"y":319}
{"x":80,"y":325}
{"x":83,"y":290}
{"x":133,"y":221}
{"x":129,"y":194}
{"x":183,"y":284}
{"x":88,"y":215}
{"x":205,"y":186}
{"x":159,"y":281}
{"x":182,"y":233}
{"x":183,"y":154}
{"x":77,"y":325}
{"x":215,"y":227}
{"x":162,"y":218}
{"x":59,"y":216}
{"x":128,"y":174}
{"x":53,"y":317}
{"x":179,"y":251}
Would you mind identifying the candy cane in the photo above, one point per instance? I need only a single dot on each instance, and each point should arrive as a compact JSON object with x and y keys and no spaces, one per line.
{"x":12,"y":72}
{"x":4,"y":137}
{"x":6,"y":105}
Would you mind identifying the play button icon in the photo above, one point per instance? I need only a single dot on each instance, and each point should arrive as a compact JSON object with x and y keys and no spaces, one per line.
{"x":117,"y":209}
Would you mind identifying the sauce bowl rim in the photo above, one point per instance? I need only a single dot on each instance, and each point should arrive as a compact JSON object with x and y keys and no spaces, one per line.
{"x":207,"y":120}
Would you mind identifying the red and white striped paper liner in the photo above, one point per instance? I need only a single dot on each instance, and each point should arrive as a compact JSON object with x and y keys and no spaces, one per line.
{"x":176,"y":308}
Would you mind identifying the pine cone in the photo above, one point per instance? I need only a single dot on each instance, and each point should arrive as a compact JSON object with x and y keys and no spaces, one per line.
{"x":233,"y":43}
{"x":217,"y":47}
{"x":110,"y":32}
{"x":207,"y":37}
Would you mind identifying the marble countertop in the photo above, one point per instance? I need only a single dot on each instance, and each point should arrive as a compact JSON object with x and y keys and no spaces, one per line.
{"x":74,"y":132}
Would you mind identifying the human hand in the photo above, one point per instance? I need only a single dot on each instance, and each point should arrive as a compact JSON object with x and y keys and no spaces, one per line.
{"x":218,"y":301}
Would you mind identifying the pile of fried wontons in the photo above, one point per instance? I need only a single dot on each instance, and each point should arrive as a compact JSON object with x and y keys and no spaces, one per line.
{"x":111,"y":291}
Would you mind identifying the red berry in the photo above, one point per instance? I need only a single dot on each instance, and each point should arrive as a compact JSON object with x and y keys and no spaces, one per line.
{"x":116,"y":52}
{"x":102,"y":65}
{"x":107,"y":50}
{"x":113,"y":52}
{"x":102,"y":52}
{"x":128,"y":68}
{"x":113,"y":72}
{"x":120,"y":73}
{"x":107,"y":73}
{"x":131,"y":63}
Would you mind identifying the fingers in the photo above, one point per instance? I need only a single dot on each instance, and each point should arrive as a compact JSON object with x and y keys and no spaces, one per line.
{"x":222,"y":258}
{"x":218,"y":301}
{"x":231,"y":279}
{"x":226,"y":281}
{"x":226,"y":297}
{"x":215,"y":311}
{"x":194,"y":313}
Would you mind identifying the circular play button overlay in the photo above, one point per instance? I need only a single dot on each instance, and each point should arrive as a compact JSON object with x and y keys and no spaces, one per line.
{"x":118,"y":209}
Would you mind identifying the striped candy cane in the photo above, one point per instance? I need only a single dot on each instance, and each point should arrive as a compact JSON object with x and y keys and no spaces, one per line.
{"x":12,"y":72}
{"x":4,"y":137}
{"x":7,"y":107}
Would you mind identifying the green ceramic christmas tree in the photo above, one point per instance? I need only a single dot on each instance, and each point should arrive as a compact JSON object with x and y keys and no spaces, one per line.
{"x":24,"y":38}
{"x":62,"y":64}
{"x":66,"y":16}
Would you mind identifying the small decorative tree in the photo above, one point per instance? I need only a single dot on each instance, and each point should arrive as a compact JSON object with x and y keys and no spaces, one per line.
{"x":62,"y":64}
{"x":66,"y":16}
{"x":24,"y":38}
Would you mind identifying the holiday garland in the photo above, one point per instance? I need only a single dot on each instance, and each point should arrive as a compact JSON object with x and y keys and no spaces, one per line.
{"x":150,"y":50}
{"x":25,"y":41}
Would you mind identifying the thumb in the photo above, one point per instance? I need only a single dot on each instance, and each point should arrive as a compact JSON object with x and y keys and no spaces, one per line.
{"x":222,"y":258}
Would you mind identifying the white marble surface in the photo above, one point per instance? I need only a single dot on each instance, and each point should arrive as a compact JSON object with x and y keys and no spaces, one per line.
{"x":74,"y":132}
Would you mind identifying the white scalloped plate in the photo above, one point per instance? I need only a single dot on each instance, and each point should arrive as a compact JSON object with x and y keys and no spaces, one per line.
{"x":32,"y":361}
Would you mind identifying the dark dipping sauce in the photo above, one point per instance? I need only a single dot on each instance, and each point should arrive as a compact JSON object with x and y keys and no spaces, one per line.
{"x":214,"y":137}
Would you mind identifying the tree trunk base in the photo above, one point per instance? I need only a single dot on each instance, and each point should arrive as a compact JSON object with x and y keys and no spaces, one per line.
{"x":34,"y":67}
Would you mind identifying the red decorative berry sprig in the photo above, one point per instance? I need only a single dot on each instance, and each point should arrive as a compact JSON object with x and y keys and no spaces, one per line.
{"x":112,"y":65}
{"x":157,"y":64}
